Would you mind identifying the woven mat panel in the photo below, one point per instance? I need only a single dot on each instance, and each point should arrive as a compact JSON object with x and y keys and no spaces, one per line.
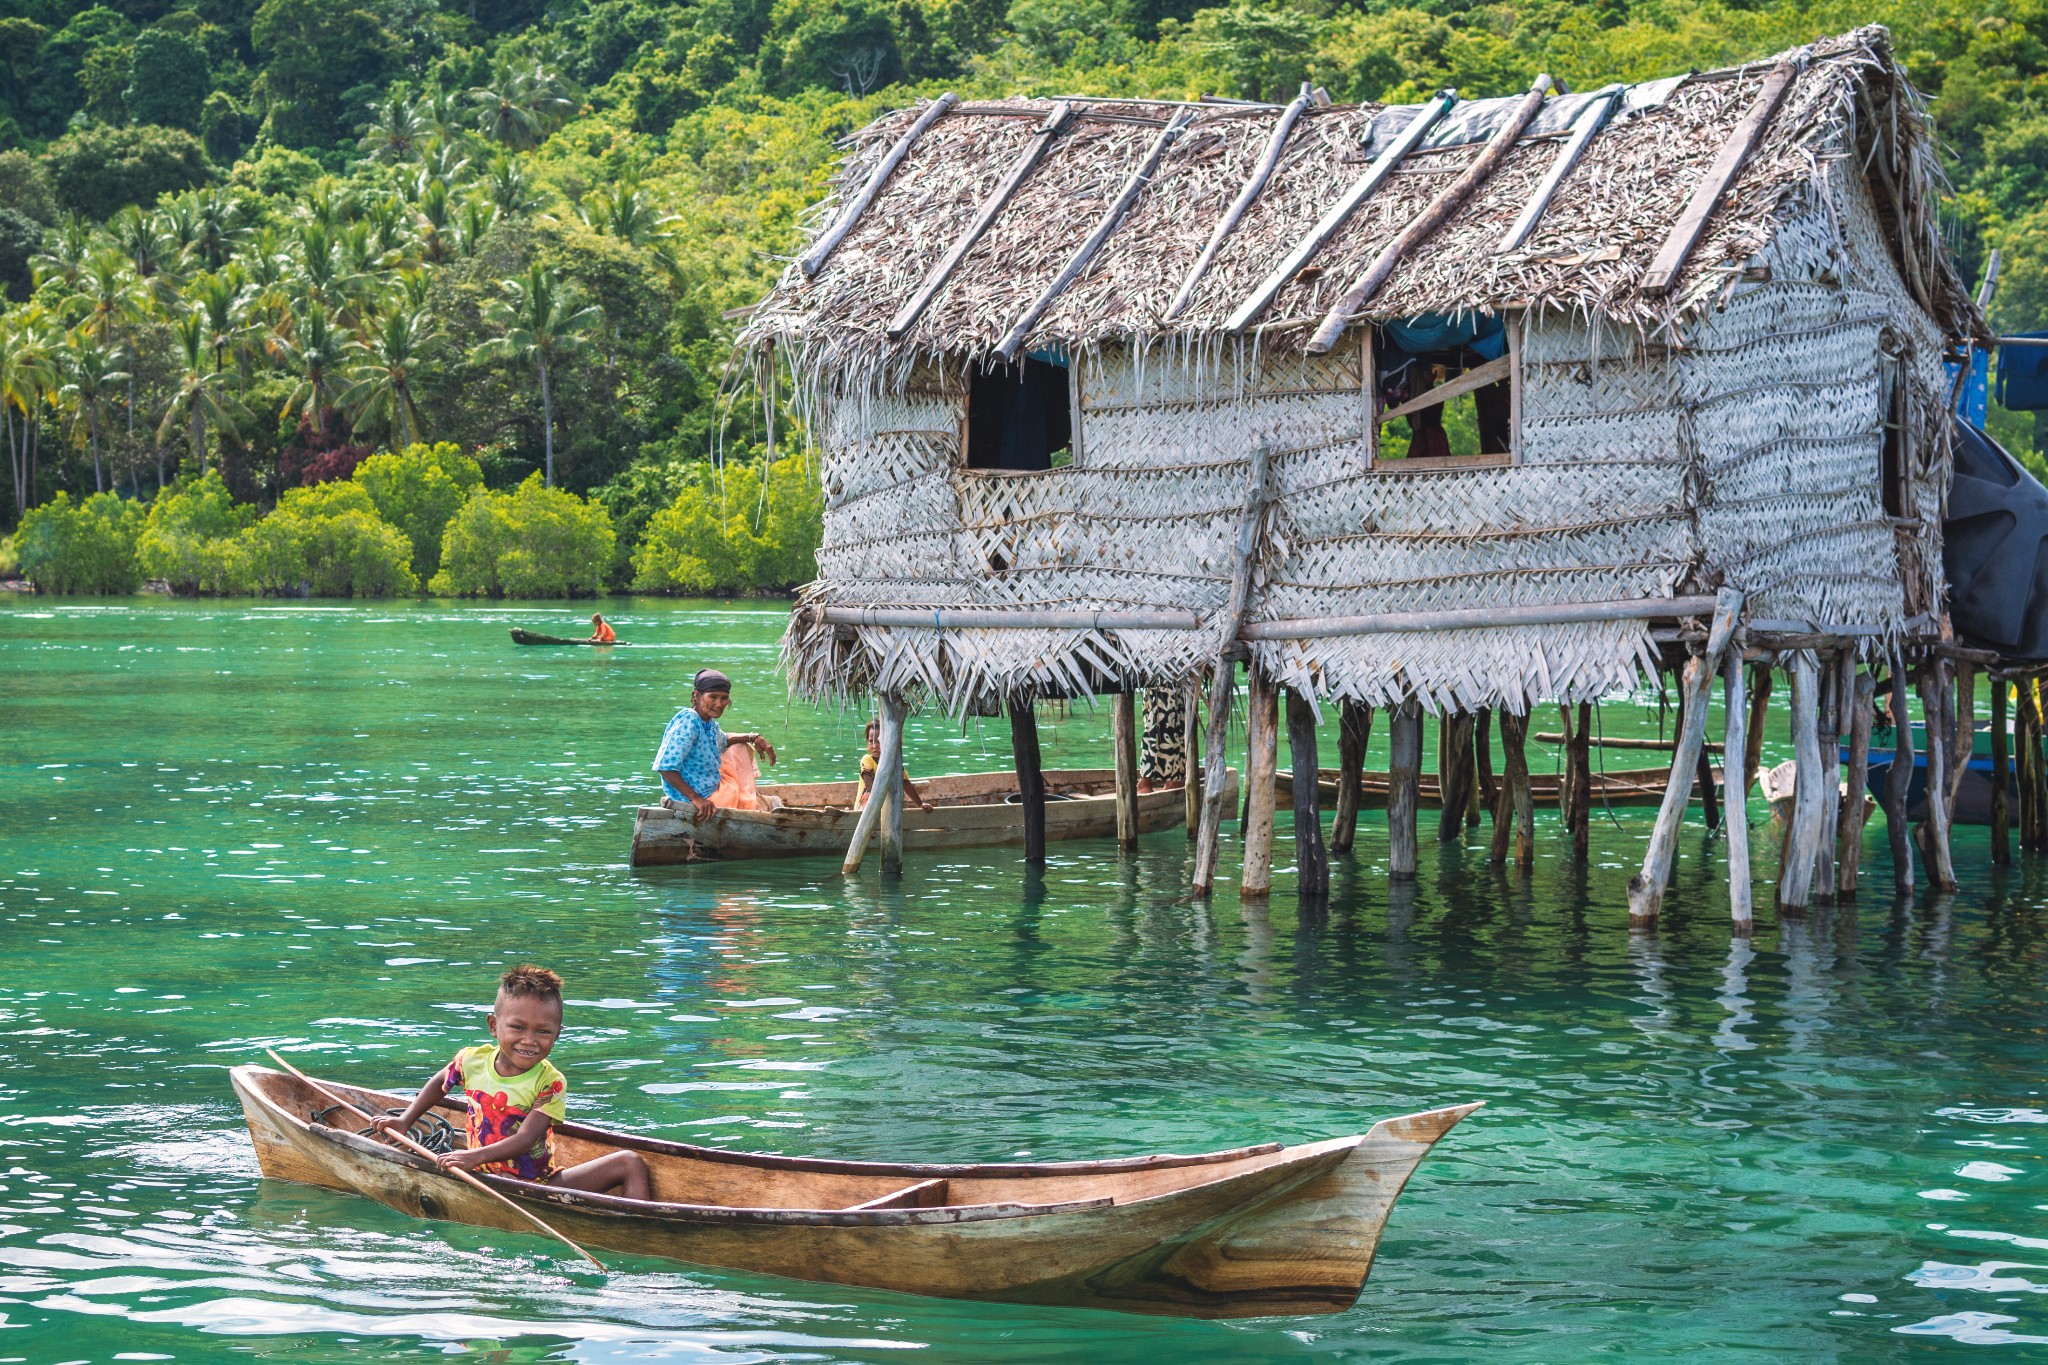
{"x":1479,"y":587}
{"x":1512,"y":667}
{"x":1085,"y":589}
{"x":1727,"y":425}
{"x":1176,"y":546}
{"x":1221,"y":432}
{"x":928,"y":554}
{"x":1871,"y":264}
{"x":1201,"y":491}
{"x":957,"y":667}
{"x":927,"y":502}
{"x":1554,"y":337}
{"x":1454,"y":503}
{"x":1756,"y":311}
{"x":1650,"y":433}
{"x":885,"y":458}
{"x":1840,"y":352}
{"x":1805,"y":465}
{"x":1125,"y":376}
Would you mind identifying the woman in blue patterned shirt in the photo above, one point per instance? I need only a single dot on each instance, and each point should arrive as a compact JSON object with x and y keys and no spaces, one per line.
{"x":700,"y":763}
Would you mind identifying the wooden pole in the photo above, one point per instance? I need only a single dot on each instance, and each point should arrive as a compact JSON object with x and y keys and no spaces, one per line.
{"x":2001,"y":777}
{"x":1899,"y":781}
{"x":1514,"y":804}
{"x":1453,"y":773}
{"x":871,"y":813}
{"x":1941,"y":874}
{"x":889,"y":784}
{"x":1834,"y":697}
{"x":2037,"y":778}
{"x":815,"y":256}
{"x":1646,"y":888}
{"x":1582,"y":783}
{"x":1030,"y":777}
{"x":1849,"y":824}
{"x":1263,"y":172}
{"x":1962,"y":704}
{"x":2021,"y":764}
{"x":1261,"y":739}
{"x":1123,"y":730}
{"x":1190,"y":773}
{"x":1566,"y":797}
{"x":1479,"y":800}
{"x":1354,"y":729}
{"x":1404,"y":784}
{"x":409,"y":1145}
{"x":1795,"y":871}
{"x":1759,"y":714}
{"x":1215,"y":772}
{"x":1741,"y":906}
{"x":1312,"y":859}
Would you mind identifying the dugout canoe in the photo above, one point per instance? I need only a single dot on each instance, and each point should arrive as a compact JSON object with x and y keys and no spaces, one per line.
{"x":971,"y":809}
{"x":534,"y":637}
{"x":1250,"y":1232}
{"x":1617,"y":787}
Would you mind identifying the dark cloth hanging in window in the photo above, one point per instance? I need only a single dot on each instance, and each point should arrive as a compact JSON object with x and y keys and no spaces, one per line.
{"x":2023,"y":376}
{"x":1017,"y":416}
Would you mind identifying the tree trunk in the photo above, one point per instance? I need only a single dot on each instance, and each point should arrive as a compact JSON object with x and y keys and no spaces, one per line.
{"x":1802,"y":840}
{"x":547,"y":419}
{"x":1759,"y":712}
{"x":1453,"y":773}
{"x":1514,"y":807}
{"x":1582,"y":783}
{"x":1646,"y":888}
{"x":199,"y":440}
{"x":1354,"y":730}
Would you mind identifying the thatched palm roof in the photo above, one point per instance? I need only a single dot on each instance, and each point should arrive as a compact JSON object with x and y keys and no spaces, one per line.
{"x":1849,"y":110}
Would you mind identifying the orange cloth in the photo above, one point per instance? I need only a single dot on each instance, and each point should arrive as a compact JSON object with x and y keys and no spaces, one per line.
{"x":736,"y":775}
{"x":604,"y":634}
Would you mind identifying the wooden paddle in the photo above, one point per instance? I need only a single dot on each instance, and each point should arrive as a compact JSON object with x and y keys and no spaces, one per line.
{"x":406,"y":1142}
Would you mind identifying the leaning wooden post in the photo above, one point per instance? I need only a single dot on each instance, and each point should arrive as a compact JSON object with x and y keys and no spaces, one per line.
{"x":1224,"y":681}
{"x":1795,"y":870}
{"x":1849,"y":824}
{"x":1735,"y":742}
{"x":1190,"y":774}
{"x":1030,"y":777}
{"x":1898,"y":784}
{"x":889,"y":783}
{"x":1311,"y":858}
{"x":1261,"y":740}
{"x":1759,"y":714}
{"x":1962,"y":704}
{"x":2001,"y":777}
{"x":1123,"y":736}
{"x":1453,"y":773}
{"x":1646,"y":888}
{"x":1941,"y":874}
{"x":1483,"y":784}
{"x":1404,"y":783}
{"x":1515,"y":805}
{"x":1354,"y":729}
{"x":864,"y":826}
{"x":1582,"y":783}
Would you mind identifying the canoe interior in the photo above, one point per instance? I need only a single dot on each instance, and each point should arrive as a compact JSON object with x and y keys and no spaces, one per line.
{"x":534,"y":637}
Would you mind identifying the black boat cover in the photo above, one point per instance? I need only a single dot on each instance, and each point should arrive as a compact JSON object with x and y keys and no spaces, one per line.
{"x":1995,"y":549}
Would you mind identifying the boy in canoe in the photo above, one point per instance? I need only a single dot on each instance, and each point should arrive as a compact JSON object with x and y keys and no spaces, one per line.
{"x":601,"y":632}
{"x":516,"y":1096}
{"x":700,"y":763}
{"x":871,"y":763}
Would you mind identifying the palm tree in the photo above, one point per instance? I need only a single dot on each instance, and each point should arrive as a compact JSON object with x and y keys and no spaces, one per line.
{"x":506,"y":184}
{"x":433,"y":215}
{"x":199,"y":399}
{"x":150,"y":251}
{"x":26,"y":374}
{"x":94,"y":372}
{"x":475,"y":222}
{"x":522,"y":107}
{"x":107,"y":290}
{"x":315,"y":351}
{"x":541,"y":320}
{"x":621,"y":209}
{"x":379,"y":397}
{"x":66,"y":254}
{"x":220,"y":300}
{"x":396,"y":129}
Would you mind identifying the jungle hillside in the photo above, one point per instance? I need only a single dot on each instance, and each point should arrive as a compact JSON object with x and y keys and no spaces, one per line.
{"x":362,"y":297}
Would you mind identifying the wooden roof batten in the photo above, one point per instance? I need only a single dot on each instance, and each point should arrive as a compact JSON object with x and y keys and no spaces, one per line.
{"x":906,"y":317}
{"x":1426,"y":118}
{"x":813,"y":259}
{"x":1432,"y":217}
{"x":1261,"y":173}
{"x":1728,"y":164}
{"x":1134,"y":185}
{"x":1599,"y":109}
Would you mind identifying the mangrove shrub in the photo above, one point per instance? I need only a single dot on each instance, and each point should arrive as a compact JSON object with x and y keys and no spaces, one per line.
{"x":533,"y":542}
{"x":419,"y":490}
{"x":82,"y":547}
{"x":189,"y":538}
{"x":329,"y":541}
{"x":732,"y":535}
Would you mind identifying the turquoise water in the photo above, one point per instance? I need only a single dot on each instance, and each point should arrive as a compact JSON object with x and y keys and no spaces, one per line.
{"x":325,"y":829}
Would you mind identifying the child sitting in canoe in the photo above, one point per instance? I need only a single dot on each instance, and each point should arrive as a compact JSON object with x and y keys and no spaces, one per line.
{"x":871,"y":763}
{"x":516,"y":1096}
{"x":601,"y":632}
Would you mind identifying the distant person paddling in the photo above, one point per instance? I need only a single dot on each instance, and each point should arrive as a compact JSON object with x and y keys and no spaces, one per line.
{"x":601,"y":632}
{"x":700,"y":763}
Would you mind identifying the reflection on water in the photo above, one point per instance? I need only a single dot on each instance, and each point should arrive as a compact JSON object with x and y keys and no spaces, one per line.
{"x":226,"y":827}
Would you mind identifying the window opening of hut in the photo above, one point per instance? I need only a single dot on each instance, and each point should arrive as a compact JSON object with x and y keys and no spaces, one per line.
{"x":1020,"y":416}
{"x":1464,"y":358}
{"x":1893,"y":466}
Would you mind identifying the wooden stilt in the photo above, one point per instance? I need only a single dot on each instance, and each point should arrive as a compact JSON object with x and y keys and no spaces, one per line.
{"x":1567,"y":798}
{"x":1191,"y":774}
{"x":1849,"y":823}
{"x":864,"y":826}
{"x":1582,"y":783}
{"x":1215,"y":767}
{"x":1030,"y":778}
{"x":1835,"y":682}
{"x":2001,"y":777}
{"x":1934,"y":682}
{"x":1483,"y":783}
{"x":1795,"y":870}
{"x":1759,"y":713}
{"x":1354,"y":729}
{"x":1646,"y":888}
{"x":2037,"y":776}
{"x":1404,"y":784}
{"x":1261,"y":752}
{"x":1514,"y":804}
{"x":1312,"y":859}
{"x":2027,"y":763}
{"x":1741,"y":907}
{"x":1899,"y":780}
{"x":889,"y":783}
{"x":1123,"y":736}
{"x":1454,"y":773}
{"x":1710,"y":796}
{"x":1962,"y":706}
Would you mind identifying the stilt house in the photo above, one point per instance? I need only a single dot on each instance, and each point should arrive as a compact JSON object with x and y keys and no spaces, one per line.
{"x":1471,"y":403}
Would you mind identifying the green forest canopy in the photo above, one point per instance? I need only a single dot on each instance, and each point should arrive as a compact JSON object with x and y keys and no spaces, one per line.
{"x":280,"y":236}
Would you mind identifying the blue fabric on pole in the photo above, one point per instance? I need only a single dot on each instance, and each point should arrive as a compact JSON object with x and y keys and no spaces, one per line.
{"x":1976,"y":390}
{"x":1426,"y":332}
{"x":2023,"y":376}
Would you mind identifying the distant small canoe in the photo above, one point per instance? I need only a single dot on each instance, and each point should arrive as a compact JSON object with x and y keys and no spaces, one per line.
{"x":1253,"y":1232}
{"x":971,"y":809}
{"x":534,"y":637}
